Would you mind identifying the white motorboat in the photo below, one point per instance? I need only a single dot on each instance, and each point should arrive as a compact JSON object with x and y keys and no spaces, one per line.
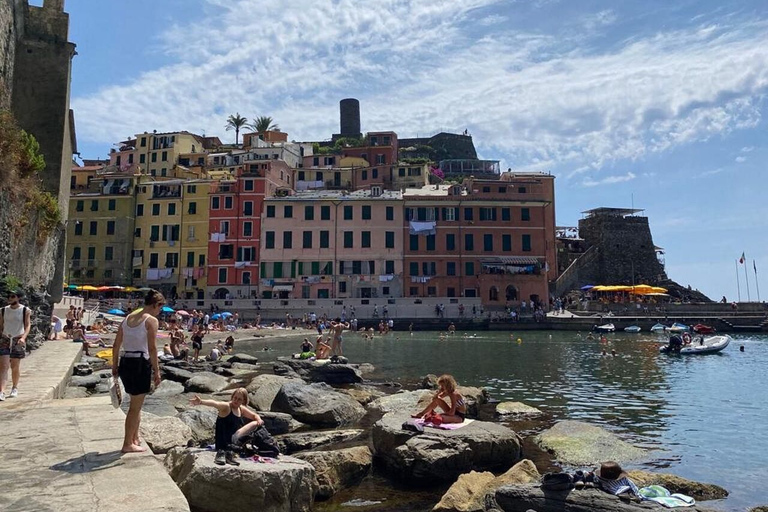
{"x":700,"y":345}
{"x":605,"y":328}
{"x":658,"y":328}
{"x":632,"y":329}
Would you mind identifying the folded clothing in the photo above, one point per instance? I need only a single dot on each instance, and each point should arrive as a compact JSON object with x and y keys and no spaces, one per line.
{"x":661,"y":495}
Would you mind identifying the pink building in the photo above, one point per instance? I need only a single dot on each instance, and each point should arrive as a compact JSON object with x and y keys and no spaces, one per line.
{"x":332,"y":244}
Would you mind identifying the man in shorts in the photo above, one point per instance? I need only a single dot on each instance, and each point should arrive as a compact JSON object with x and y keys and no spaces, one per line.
{"x":15,"y":322}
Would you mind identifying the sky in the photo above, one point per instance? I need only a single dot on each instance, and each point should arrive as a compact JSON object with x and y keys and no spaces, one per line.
{"x":650,"y":104}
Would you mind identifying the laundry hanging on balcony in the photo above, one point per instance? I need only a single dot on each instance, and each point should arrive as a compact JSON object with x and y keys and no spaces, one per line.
{"x":422,"y":228}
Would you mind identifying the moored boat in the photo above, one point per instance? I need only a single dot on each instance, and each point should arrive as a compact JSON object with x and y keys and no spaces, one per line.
{"x":711,"y":345}
{"x":703,"y":329}
{"x":678,"y":328}
{"x":605,"y":328}
{"x":632,"y":328}
{"x":659,"y":328}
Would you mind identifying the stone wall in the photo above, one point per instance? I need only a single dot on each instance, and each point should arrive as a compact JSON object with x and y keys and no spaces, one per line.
{"x":625,"y":248}
{"x":11,"y":23}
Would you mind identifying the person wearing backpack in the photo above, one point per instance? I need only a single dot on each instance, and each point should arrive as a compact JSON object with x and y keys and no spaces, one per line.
{"x":15,"y":323}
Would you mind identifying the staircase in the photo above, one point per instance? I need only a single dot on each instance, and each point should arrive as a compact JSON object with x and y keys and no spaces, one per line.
{"x":569,"y":279}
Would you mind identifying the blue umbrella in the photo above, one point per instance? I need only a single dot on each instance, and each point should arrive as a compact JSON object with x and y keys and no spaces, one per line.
{"x":166,"y":309}
{"x":588,"y":287}
{"x":226,"y":314}
{"x":118,"y":312}
{"x":216,"y":316}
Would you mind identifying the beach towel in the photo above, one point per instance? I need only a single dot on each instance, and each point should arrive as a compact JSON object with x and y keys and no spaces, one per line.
{"x":443,"y":426}
{"x":661,"y":495}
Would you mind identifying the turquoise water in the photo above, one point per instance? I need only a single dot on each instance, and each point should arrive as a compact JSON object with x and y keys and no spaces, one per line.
{"x":703,"y":417}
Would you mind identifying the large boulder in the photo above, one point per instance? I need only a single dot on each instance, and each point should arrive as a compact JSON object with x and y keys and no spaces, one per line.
{"x":676,"y":484}
{"x":581,"y":444}
{"x":88,"y":381}
{"x":324,"y":371}
{"x":202,"y":423}
{"x":75,"y":392}
{"x":163,"y":433}
{"x":400,"y":402}
{"x":286,"y":485}
{"x":296,"y":442}
{"x":206,"y":382}
{"x":518,"y":498}
{"x":279,"y":422}
{"x":263,"y":389}
{"x":336,"y":470}
{"x":468,"y":493}
{"x":175,"y":374}
{"x":442,"y":455}
{"x":516,"y":409}
{"x":168,"y":388}
{"x":318,"y":405}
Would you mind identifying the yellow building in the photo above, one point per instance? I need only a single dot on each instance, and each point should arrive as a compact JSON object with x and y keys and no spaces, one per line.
{"x":99,"y":231}
{"x":171,"y":235}
{"x":158,"y":153}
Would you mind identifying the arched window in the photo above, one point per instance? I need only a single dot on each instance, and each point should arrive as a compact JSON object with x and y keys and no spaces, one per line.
{"x":493,"y":294}
{"x":511,"y":293}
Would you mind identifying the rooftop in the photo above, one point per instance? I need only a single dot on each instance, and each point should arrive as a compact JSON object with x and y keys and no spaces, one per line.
{"x":342,"y":195}
{"x":611,"y":212}
{"x":431,"y":190}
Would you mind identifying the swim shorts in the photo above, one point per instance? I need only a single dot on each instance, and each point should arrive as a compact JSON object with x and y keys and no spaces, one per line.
{"x":136,"y":374}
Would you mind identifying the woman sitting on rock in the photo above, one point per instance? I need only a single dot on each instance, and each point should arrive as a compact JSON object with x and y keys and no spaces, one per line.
{"x":234,"y":422}
{"x":453,"y":413}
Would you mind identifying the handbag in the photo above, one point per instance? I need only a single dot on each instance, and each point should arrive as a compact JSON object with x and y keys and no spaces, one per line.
{"x":115,"y":392}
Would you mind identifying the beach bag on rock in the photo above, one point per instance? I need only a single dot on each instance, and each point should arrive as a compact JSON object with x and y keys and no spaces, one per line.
{"x":556,"y":482}
{"x":263,"y":443}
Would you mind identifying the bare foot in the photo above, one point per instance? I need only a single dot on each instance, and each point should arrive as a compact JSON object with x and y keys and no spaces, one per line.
{"x":415,"y":416}
{"x":133,"y":449}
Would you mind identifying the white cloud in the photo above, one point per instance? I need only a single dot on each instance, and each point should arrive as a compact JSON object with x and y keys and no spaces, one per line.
{"x":608,"y":180}
{"x":532,"y":98}
{"x":493,"y":19}
{"x":741,"y":159}
{"x":747,"y":149}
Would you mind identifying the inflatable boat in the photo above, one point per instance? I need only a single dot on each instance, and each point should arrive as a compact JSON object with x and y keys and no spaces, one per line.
{"x":711,"y":345}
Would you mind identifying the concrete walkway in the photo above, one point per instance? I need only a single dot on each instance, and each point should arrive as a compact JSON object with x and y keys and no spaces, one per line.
{"x":58,"y":455}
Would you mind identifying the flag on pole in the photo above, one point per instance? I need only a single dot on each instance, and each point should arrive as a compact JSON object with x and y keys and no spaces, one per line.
{"x":743,"y":258}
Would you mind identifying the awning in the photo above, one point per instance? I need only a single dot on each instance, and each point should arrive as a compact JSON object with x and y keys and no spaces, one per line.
{"x":512,"y":260}
{"x":282,"y":288}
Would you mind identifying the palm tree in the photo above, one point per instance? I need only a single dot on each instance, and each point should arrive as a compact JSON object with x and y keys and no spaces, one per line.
{"x":235,"y":122}
{"x":263,"y":124}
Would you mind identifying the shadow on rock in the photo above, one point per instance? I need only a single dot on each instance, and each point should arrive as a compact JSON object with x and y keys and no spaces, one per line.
{"x":91,"y":461}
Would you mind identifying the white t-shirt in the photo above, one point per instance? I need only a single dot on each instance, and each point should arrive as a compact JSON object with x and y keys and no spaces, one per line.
{"x":13,"y":320}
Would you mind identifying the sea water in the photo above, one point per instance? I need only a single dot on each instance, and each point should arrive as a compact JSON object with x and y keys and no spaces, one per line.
{"x":702,"y":417}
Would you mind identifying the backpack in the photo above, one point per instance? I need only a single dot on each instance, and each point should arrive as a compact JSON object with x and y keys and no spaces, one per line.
{"x":556,"y":482}
{"x":261,"y":442}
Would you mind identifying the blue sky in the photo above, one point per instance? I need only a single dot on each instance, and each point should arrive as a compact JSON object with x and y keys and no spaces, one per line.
{"x":657,"y":103}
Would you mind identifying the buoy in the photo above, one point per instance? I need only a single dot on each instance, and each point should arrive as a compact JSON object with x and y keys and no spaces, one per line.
{"x":519,"y":341}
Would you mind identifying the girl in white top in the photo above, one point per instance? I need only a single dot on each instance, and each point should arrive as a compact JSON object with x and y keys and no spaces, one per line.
{"x":138,"y":364}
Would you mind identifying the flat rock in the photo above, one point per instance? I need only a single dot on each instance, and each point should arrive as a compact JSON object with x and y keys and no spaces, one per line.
{"x":201,"y":421}
{"x":287,"y":485}
{"x":516,"y":409}
{"x":363,"y":394}
{"x":338,"y":469}
{"x":468,"y":493}
{"x":95,"y":361}
{"x":324,"y":371}
{"x":581,"y":444}
{"x":317,"y":404}
{"x":696,"y":490}
{"x":279,"y":422}
{"x":175,"y":374}
{"x":442,"y":455}
{"x":168,"y":388}
{"x":299,"y":441}
{"x":263,"y":389}
{"x":82,"y":369}
{"x":243,"y":358}
{"x":163,"y":433}
{"x":205,"y":382}
{"x":87,"y":381}
{"x":516,"y":498}
{"x":400,"y":402}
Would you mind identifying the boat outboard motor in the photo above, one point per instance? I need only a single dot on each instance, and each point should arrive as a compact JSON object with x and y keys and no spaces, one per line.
{"x":675,"y":343}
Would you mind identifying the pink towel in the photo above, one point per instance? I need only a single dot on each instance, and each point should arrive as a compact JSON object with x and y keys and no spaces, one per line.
{"x":444,"y":426}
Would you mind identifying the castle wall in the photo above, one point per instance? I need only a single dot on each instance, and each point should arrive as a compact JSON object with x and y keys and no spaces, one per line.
{"x":11,"y":25}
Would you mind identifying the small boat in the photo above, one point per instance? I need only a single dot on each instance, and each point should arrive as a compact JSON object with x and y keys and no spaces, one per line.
{"x":632,"y":328}
{"x":711,"y":345}
{"x":678,"y":328}
{"x":703,"y":329}
{"x":658,"y":328}
{"x":605,"y":328}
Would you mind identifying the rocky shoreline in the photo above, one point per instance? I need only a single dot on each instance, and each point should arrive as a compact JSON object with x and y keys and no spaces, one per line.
{"x":334,"y":427}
